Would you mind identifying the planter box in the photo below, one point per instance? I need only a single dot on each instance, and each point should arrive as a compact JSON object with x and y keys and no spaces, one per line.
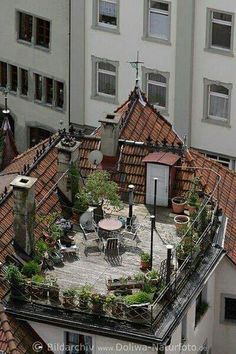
{"x":131,"y":284}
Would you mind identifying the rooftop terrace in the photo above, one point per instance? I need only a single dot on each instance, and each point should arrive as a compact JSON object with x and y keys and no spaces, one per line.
{"x":91,"y":267}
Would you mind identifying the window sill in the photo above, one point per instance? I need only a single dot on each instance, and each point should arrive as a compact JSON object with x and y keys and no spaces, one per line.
{"x":35,"y":46}
{"x":44,"y":49}
{"x":156,"y":40}
{"x":217,"y":122}
{"x":106,"y":29}
{"x":22,"y":41}
{"x":219,"y":51}
{"x":110,"y":100}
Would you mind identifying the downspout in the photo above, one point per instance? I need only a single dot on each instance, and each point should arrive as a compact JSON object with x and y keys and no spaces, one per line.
{"x":69,"y":68}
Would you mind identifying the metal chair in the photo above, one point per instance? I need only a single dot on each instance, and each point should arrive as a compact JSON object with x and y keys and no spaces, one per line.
{"x":129,"y":236}
{"x":112,"y":250}
{"x":90,"y":237}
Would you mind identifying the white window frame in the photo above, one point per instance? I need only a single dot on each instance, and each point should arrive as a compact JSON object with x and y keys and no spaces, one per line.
{"x":220,"y":95}
{"x":93,"y":338}
{"x":146,"y":81}
{"x":97,"y":25}
{"x":206,"y":106}
{"x":98,"y":14}
{"x":220,"y":159}
{"x":113,"y":99}
{"x":147,"y":13}
{"x":210,"y":21}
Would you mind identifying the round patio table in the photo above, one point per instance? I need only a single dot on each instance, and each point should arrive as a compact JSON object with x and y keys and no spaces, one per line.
{"x":110,"y":225}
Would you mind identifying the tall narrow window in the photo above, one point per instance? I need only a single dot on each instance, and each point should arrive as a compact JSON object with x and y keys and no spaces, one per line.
{"x":13,"y":78}
{"x":3,"y":74}
{"x":25,"y":27}
{"x":157,"y":89}
{"x":106,"y":79}
{"x":42,"y":33}
{"x":59,"y":101}
{"x":49,"y":90}
{"x":78,"y":343}
{"x":218,"y":102}
{"x":159,"y":20}
{"x":221,"y":30}
{"x":24,"y":86}
{"x":107,"y":13}
{"x":38,"y":87}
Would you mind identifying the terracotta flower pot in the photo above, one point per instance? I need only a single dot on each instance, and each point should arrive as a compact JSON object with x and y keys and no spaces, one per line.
{"x":180,"y":221}
{"x":178,"y":205}
{"x":192,"y":209}
{"x":144,"y":265}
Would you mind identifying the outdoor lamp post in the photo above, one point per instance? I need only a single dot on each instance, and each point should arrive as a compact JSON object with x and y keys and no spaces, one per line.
{"x":168,"y":263}
{"x":131,"y":200}
{"x":155,"y":197}
{"x":152,"y":219}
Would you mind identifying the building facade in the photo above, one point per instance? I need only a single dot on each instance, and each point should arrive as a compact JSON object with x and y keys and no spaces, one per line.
{"x":69,"y":61}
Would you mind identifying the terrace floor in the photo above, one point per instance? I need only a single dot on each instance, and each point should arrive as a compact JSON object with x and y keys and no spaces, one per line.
{"x":93,"y":269}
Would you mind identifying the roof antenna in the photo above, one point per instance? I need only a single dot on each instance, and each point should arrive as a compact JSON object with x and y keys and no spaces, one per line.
{"x":135,"y":65}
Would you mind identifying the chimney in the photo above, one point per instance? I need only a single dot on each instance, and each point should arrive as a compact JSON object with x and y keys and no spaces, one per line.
{"x":24,"y":212}
{"x":110,"y":127}
{"x":68,"y":153}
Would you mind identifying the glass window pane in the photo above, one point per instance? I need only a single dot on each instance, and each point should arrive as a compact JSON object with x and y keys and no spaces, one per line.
{"x":159,"y":25}
{"x":159,"y":5}
{"x":14,"y":78}
{"x":42,"y":33}
{"x":38,"y":87}
{"x":230,"y":309}
{"x":49,"y":90}
{"x":219,"y":107}
{"x":157,"y":95}
{"x":59,"y":94}
{"x":106,"y":84}
{"x":222,"y":16}
{"x":3,"y":74}
{"x":221,"y":36}
{"x":219,"y":89}
{"x":24,"y":82}
{"x":157,"y":77}
{"x":108,"y":12}
{"x":106,"y":66}
{"x":25,"y":27}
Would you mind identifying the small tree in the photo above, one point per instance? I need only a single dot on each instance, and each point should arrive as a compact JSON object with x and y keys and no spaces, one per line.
{"x":74,"y":176}
{"x":99,"y":187}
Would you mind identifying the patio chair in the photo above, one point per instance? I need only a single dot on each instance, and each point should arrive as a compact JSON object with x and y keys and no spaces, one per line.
{"x":90,"y":236}
{"x":130,"y":236}
{"x":112,"y":250}
{"x":72,"y":250}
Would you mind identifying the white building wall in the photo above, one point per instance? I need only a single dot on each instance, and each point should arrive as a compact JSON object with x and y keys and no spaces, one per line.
{"x":216,"y":67}
{"x":224,"y":333}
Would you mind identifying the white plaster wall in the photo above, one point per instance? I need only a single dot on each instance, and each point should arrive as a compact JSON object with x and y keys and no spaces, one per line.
{"x":53,"y":63}
{"x":123,"y":47}
{"x":224,"y":333}
{"x":213,"y":66}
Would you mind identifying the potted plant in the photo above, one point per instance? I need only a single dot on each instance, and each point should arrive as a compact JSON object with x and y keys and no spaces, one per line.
{"x":185,"y":247}
{"x":180,"y":221}
{"x":178,"y":204}
{"x":69,"y":297}
{"x":142,"y":300}
{"x":41,"y":249}
{"x":31,"y":268}
{"x":97,"y":301}
{"x":145,"y":261}
{"x":53,"y":290}
{"x":39,"y":288}
{"x":84,"y":294}
{"x":193,"y":203}
{"x":17,"y":282}
{"x":116,"y":304}
{"x":152,"y":276}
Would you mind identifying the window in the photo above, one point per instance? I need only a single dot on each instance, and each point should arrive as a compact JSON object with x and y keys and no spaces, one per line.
{"x":221,"y":30}
{"x":24,"y":85}
{"x":230,"y":309}
{"x":225,"y":161}
{"x":42,"y":33}
{"x":78,"y":343}
{"x":49,"y":91}
{"x":155,"y":84}
{"x":107,"y":13}
{"x":104,"y":80}
{"x":59,"y":100}
{"x":158,"y":21}
{"x":13,"y":78}
{"x":3,"y":74}
{"x":37,"y":135}
{"x":33,"y":30}
{"x":201,"y":305}
{"x":217,"y":101}
{"x":25,"y":27}
{"x":38,"y":87}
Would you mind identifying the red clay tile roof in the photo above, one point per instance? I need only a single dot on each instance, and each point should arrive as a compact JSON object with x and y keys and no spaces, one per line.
{"x":164,"y":158}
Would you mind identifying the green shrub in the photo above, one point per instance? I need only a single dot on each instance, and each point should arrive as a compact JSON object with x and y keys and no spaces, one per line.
{"x":38,"y":279}
{"x":145,"y":257}
{"x":139,"y":277}
{"x":31,"y":268}
{"x":138,"y":298}
{"x":13,"y":275}
{"x":152,"y":274}
{"x":40,"y":248}
{"x":70,"y":292}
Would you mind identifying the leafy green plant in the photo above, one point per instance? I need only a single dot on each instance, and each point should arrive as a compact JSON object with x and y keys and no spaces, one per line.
{"x":85,"y":292}
{"x":97,"y":298}
{"x":55,"y":231}
{"x":139,"y":277}
{"x":38,"y":279}
{"x":81,"y":202}
{"x":99,"y":186}
{"x":123,"y":280}
{"x":152,"y":274}
{"x":70,"y":292}
{"x":110,"y":299}
{"x":40,"y":248}
{"x":31,"y":268}
{"x":145,"y":257}
{"x":138,"y":298}
{"x":13,"y":275}
{"x":193,"y":197}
